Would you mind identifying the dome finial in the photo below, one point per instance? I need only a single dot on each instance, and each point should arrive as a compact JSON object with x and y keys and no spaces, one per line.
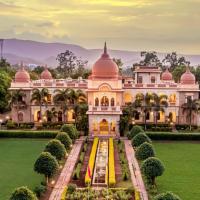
{"x":105,"y":48}
{"x":21,"y":65}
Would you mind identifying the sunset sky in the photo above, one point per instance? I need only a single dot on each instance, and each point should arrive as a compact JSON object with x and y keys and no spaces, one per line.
{"x":161,"y":25}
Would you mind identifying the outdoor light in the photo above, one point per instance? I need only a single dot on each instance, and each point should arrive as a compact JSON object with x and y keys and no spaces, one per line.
{"x":53,"y":182}
{"x":7,"y":117}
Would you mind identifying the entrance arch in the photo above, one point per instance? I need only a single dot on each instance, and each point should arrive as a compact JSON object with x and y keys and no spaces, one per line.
{"x":104,"y":127}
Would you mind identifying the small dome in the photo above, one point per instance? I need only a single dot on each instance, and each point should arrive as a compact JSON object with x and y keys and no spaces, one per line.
{"x":166,"y":75}
{"x":105,"y":67}
{"x":22,"y":75}
{"x":188,"y":77}
{"x":46,"y":74}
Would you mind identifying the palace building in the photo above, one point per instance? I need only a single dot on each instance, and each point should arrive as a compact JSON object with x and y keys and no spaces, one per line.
{"x":108,"y":92}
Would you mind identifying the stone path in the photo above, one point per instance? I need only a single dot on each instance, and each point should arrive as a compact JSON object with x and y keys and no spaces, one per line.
{"x":67,"y":171}
{"x":136,"y":175}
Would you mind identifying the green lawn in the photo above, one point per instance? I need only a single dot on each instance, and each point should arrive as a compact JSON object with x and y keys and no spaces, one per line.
{"x":182,"y":168}
{"x":17,"y":157}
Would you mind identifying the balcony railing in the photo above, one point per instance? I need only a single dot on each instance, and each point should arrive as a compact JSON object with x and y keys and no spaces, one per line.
{"x":105,"y":108}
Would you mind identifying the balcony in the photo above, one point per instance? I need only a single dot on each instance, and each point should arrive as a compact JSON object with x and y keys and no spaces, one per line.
{"x":105,"y":108}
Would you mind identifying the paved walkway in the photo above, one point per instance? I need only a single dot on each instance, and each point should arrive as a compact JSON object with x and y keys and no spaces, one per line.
{"x":67,"y":171}
{"x":135,"y":170}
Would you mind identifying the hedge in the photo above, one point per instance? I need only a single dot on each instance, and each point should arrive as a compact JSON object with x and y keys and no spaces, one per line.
{"x":63,"y":195}
{"x":111,"y":175}
{"x":91,"y":161}
{"x":27,"y":134}
{"x":173,"y":136}
{"x":137,"y":195}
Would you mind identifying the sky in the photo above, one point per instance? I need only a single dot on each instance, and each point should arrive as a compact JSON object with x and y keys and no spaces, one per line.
{"x":152,"y":25}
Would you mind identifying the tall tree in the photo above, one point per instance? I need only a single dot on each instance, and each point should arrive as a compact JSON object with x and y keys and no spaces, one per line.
{"x":189,"y":107}
{"x":51,"y":114}
{"x":39,"y":97}
{"x":119,"y":63}
{"x":174,"y":61}
{"x":17,"y":101}
{"x":62,"y":99}
{"x":150,"y":58}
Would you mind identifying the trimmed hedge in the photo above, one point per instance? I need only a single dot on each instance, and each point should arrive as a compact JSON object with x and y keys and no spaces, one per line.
{"x":144,"y":151}
{"x":139,"y":139}
{"x":134,"y":131}
{"x":174,"y":136}
{"x":27,"y":134}
{"x":111,"y":162}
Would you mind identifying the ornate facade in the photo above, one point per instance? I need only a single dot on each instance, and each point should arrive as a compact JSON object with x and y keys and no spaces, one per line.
{"x":107,"y":92}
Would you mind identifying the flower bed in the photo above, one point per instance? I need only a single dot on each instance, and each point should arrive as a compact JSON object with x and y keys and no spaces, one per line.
{"x":111,"y":175}
{"x":91,"y":161}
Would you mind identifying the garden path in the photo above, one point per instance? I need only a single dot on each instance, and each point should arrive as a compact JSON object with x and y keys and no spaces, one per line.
{"x":136,"y":175}
{"x":67,"y":171}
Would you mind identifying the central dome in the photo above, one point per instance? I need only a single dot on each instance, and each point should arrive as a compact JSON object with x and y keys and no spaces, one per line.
{"x":105,"y":67}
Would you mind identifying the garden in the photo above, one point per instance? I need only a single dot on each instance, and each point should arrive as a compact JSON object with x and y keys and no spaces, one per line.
{"x":17,"y":157}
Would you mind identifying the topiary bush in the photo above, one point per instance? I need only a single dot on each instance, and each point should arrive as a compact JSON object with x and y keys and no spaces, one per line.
{"x":39,"y":190}
{"x":71,"y":130}
{"x":167,"y":196}
{"x":151,"y":168}
{"x":71,"y":188}
{"x":56,"y":148}
{"x":46,"y":164}
{"x":23,"y":193}
{"x":139,"y":139}
{"x":134,"y":131}
{"x":145,"y":151}
{"x":64,"y":139}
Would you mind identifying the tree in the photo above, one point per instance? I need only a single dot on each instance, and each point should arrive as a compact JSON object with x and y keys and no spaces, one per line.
{"x":17,"y":101}
{"x":51,"y":114}
{"x":150,"y":58}
{"x":167,"y":196}
{"x":39,"y":97}
{"x":139,"y":139}
{"x":191,"y":106}
{"x":134,"y":131}
{"x":68,"y":62}
{"x":144,"y":151}
{"x":71,"y":130}
{"x":197,"y":74}
{"x":119,"y":63}
{"x":46,"y":164}
{"x":64,"y":139}
{"x":151,"y":168}
{"x":56,"y":148}
{"x":62,"y":98}
{"x":23,"y":193}
{"x":5,"y":81}
{"x":174,"y":61}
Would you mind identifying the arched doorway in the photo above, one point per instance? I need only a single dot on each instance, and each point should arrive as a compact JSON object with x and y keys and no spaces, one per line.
{"x":104,"y":101}
{"x":60,"y":116}
{"x":104,"y":127}
{"x":38,"y":116}
{"x":97,"y":101}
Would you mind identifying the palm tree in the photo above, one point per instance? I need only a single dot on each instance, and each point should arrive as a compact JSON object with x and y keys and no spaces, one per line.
{"x":17,"y":101}
{"x":62,"y":98}
{"x":51,"y":114}
{"x":39,"y":97}
{"x":191,"y":106}
{"x":159,"y":103}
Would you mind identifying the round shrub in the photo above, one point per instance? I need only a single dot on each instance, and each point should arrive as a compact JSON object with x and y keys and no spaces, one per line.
{"x":145,"y":151}
{"x":64,"y":139}
{"x":71,"y":130}
{"x":46,"y":164}
{"x":56,"y":148}
{"x":134,"y":131}
{"x":23,"y":193}
{"x":39,"y":190}
{"x":151,"y":168}
{"x":139,"y":139}
{"x":167,"y":196}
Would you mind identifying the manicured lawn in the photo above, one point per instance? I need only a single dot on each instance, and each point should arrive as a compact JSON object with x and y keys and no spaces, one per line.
{"x":17,"y":157}
{"x":182,"y":168}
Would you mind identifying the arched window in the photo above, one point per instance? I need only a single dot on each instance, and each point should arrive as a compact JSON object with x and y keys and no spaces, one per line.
{"x":112,"y":102}
{"x":21,"y":117}
{"x":158,"y":116}
{"x":147,"y":116}
{"x":60,"y":116}
{"x":96,"y":101}
{"x":104,"y":101}
{"x":38,"y":116}
{"x":153,"y":79}
{"x":137,"y":116}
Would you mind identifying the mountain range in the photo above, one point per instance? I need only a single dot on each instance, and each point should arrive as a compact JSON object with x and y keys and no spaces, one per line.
{"x":40,"y":53}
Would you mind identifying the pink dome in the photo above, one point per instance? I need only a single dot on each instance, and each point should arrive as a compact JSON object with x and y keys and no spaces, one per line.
{"x":22,"y":75}
{"x":46,"y":74}
{"x":105,"y":67}
{"x":188,"y":77}
{"x":166,"y":75}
